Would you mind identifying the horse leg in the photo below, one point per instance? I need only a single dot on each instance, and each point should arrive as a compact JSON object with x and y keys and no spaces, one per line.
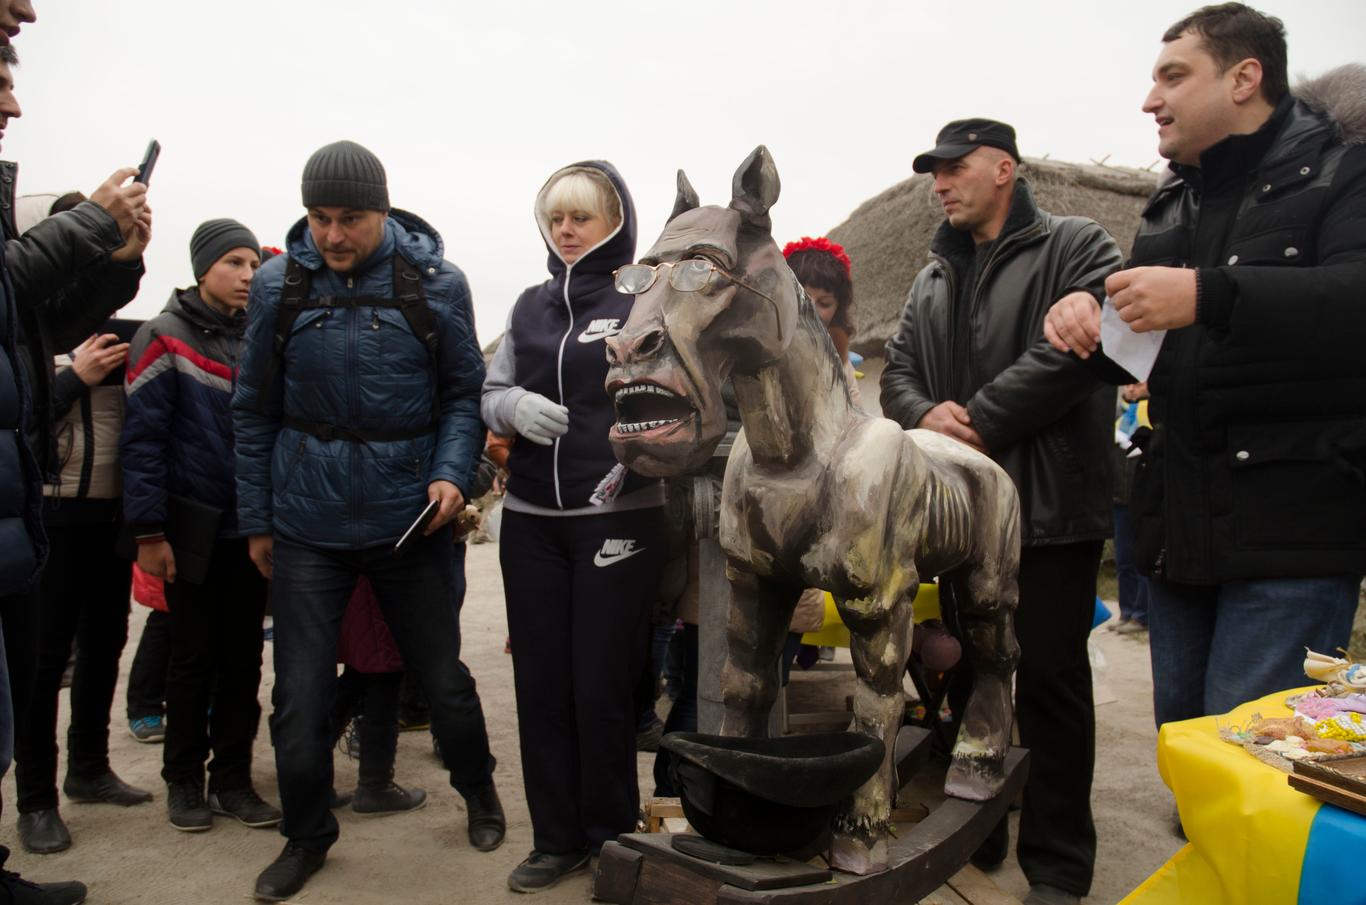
{"x":986,"y":594}
{"x":756,"y":629}
{"x":880,"y":641}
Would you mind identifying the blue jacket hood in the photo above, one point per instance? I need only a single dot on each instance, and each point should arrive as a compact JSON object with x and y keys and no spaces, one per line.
{"x":405,"y":233}
{"x":617,"y":249}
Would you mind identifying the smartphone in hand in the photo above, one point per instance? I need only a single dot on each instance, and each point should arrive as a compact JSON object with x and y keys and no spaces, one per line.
{"x":416,"y":528}
{"x":149,"y":162}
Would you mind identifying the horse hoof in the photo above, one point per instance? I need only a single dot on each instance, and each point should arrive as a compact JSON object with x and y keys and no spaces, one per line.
{"x":975,"y":778}
{"x":856,"y":856}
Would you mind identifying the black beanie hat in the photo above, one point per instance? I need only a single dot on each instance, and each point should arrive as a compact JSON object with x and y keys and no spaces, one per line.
{"x":215,"y":238}
{"x":344,"y":174}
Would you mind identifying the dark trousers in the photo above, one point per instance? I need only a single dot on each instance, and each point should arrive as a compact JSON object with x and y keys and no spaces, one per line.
{"x":83,"y":596}
{"x":371,"y":699}
{"x":19,"y":615}
{"x":6,"y":707}
{"x":419,"y":593}
{"x":1133,"y":586}
{"x":215,"y":664}
{"x":579,"y":615}
{"x":147,"y":678}
{"x":1055,"y":715}
{"x":683,"y":714}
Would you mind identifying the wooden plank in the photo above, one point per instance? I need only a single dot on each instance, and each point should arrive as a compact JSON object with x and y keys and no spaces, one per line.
{"x":1345,"y":773}
{"x":663,"y":883}
{"x":618,"y":869}
{"x":657,"y":810}
{"x":978,"y":889}
{"x":765,"y":873}
{"x":944,"y":896}
{"x":1343,"y":798}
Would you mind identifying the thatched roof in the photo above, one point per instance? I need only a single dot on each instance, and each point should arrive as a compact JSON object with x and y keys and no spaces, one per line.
{"x":888,"y":237}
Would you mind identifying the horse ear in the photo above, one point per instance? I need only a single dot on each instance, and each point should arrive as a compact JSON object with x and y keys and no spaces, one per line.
{"x":755,"y":186}
{"x":687,"y":199}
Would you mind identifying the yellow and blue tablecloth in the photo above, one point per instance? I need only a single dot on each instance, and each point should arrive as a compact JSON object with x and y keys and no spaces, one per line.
{"x":1253,"y":839}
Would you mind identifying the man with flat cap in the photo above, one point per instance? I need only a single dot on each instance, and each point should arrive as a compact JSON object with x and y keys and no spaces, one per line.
{"x":356,"y":405}
{"x":969,"y":360}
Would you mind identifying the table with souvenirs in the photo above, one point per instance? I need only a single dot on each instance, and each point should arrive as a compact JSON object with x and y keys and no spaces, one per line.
{"x":1272,"y":798}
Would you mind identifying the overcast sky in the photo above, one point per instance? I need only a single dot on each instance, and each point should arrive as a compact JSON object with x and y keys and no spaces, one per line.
{"x":471,"y":107}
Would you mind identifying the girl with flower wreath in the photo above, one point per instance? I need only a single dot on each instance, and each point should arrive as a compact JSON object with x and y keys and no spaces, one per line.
{"x":824,"y":270}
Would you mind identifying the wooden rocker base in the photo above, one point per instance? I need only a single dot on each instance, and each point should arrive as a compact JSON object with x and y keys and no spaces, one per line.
{"x":645,"y":869}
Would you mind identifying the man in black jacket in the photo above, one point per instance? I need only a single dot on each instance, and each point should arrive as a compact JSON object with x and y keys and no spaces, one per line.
{"x":969,"y":360}
{"x":22,"y":546}
{"x":1250,"y":504}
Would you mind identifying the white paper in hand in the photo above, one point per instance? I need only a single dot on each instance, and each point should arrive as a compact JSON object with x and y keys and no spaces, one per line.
{"x":1134,"y":352}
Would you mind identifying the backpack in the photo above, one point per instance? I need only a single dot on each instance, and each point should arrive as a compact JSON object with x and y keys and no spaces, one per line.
{"x":411,"y":302}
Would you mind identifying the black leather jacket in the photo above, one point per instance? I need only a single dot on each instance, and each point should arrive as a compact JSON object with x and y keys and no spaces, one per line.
{"x":1257,"y":467}
{"x":1044,"y":418}
{"x":65,"y":287}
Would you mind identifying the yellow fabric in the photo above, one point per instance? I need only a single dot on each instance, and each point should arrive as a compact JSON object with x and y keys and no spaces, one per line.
{"x":1247,"y":828}
{"x":834,"y":634}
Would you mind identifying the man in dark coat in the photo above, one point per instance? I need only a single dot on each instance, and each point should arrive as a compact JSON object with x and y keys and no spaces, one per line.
{"x":969,"y":360}
{"x":1249,"y":504}
{"x":356,"y":405}
{"x":22,"y":543}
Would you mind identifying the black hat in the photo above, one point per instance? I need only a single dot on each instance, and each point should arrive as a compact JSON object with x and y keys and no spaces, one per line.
{"x":965,"y":135}
{"x":344,"y":174}
{"x":215,"y":238}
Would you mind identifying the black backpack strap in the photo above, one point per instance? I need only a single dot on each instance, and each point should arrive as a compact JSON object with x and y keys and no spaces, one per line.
{"x":412,"y":304}
{"x":293,"y":297}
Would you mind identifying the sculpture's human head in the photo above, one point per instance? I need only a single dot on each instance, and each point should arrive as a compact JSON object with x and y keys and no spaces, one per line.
{"x":713,"y":295}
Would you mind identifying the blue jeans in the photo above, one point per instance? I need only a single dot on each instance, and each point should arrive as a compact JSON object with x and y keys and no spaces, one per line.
{"x":419,"y":593}
{"x":1133,"y":587}
{"x":1217,"y":646}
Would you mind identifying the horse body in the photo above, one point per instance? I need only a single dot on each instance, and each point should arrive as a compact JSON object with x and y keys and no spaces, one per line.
{"x":816,"y":494}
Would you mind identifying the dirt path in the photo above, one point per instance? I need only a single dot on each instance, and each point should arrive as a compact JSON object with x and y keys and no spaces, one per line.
{"x":134,"y":856}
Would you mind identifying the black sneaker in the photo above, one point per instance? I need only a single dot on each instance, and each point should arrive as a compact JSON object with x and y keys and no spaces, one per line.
{"x":387,"y":799}
{"x":19,"y":891}
{"x":186,"y":808}
{"x":542,"y":870}
{"x":288,"y":873}
{"x":246,"y":806}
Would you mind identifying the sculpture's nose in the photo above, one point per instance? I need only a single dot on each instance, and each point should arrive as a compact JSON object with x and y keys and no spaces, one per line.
{"x":633,"y":346}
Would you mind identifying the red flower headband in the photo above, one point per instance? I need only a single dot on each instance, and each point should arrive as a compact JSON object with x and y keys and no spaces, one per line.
{"x":834,"y":249}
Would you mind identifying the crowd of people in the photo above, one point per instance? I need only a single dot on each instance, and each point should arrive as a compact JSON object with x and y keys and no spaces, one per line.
{"x":265,"y":442}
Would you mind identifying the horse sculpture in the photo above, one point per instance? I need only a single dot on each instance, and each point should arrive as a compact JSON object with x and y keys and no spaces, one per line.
{"x":816,"y":493}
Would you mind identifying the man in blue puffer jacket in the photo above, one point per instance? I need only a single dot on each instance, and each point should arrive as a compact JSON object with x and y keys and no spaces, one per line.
{"x":357,"y":403}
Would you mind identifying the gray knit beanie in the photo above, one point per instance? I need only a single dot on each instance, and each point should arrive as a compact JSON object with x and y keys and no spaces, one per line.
{"x":344,"y":174}
{"x":215,"y":238}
